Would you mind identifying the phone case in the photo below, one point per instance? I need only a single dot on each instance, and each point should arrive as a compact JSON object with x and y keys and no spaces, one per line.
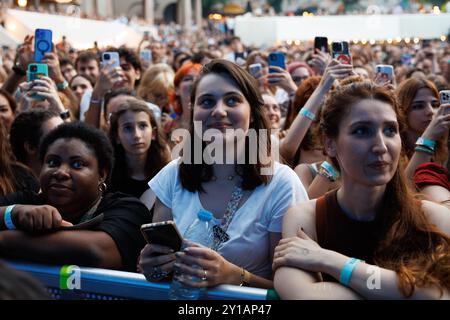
{"x":321,"y":43}
{"x":36,"y":71}
{"x":276,"y":59}
{"x":111,"y":56}
{"x":163,"y":233}
{"x":444,"y":96}
{"x":42,"y":43}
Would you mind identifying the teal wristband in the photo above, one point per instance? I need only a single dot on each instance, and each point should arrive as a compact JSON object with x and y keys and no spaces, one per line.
{"x":330,"y":170}
{"x":63,"y":85}
{"x":311,"y":116}
{"x":347,"y":270}
{"x":424,"y":150}
{"x":7,"y":218}
{"x":430,"y":144}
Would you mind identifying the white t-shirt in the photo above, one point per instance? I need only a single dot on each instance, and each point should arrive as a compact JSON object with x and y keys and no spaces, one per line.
{"x":249,"y":229}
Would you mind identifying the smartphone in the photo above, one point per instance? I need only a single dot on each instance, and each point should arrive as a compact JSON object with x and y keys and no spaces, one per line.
{"x":42,"y":43}
{"x":36,"y":71}
{"x":146,"y":55}
{"x":276,"y":59}
{"x":444,"y":97}
{"x":321,"y":43}
{"x":255,"y":69}
{"x":386,"y":71}
{"x":163,"y":233}
{"x":340,"y":52}
{"x":111,"y":56}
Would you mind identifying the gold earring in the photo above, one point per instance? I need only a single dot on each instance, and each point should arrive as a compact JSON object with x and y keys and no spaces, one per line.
{"x":102,"y":187}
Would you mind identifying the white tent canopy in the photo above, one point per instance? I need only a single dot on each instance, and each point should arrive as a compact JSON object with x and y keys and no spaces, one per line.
{"x":81,"y":33}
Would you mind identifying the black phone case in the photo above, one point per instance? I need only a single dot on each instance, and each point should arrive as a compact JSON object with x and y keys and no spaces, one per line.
{"x":166,"y":235}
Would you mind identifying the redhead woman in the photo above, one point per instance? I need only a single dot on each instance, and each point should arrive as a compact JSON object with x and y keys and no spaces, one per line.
{"x":371,"y":238}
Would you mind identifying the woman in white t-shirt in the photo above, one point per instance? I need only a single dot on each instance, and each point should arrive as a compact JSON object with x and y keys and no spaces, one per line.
{"x":225,"y":98}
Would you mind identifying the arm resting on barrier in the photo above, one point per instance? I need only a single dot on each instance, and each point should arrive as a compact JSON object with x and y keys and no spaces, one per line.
{"x":81,"y":247}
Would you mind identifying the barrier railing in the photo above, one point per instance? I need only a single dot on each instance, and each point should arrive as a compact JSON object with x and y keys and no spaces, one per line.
{"x":104,"y":284}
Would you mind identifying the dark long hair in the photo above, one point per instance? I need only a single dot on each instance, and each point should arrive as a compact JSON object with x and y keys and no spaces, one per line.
{"x":410,"y":245}
{"x":193,"y":175}
{"x":158,"y":155}
{"x":406,"y":94}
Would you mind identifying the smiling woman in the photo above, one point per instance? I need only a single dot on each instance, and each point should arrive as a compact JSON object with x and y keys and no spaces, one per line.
{"x":247,"y":204}
{"x":77,"y":163}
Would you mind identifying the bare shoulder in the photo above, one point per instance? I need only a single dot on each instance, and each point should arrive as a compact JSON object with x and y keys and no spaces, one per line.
{"x":437,"y":214}
{"x":302,"y":215}
{"x":304,"y":173}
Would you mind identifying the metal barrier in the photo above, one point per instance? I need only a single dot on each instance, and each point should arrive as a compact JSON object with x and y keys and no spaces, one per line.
{"x":104,"y":284}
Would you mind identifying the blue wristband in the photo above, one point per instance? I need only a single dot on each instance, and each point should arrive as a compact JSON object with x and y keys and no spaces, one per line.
{"x":347,"y":270}
{"x":329,"y":168}
{"x":430,"y":144}
{"x":7,"y":218}
{"x":311,"y":116}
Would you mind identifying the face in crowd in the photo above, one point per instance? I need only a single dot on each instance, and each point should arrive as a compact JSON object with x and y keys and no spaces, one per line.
{"x":422,"y":110}
{"x":6,"y":112}
{"x":80,"y":85}
{"x":89,"y":68}
{"x":272,"y":111}
{"x":135,"y":132}
{"x":220,"y":104}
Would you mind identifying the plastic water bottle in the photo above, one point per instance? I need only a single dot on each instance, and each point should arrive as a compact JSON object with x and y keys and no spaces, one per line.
{"x":201,"y":232}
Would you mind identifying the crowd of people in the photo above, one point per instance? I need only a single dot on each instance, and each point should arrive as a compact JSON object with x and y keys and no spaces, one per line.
{"x":352,"y":174}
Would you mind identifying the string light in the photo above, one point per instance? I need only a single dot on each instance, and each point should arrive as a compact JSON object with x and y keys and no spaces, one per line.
{"x":416,"y":40}
{"x":407,"y":40}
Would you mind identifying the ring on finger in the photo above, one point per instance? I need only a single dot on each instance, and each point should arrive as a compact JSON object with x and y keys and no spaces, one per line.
{"x":205,"y":275}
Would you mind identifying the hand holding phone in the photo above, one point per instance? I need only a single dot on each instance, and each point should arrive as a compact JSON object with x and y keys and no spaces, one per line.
{"x":255,"y":70}
{"x":385,"y":72}
{"x":163,"y":233}
{"x":42,"y":43}
{"x":444,"y":97}
{"x":36,"y":71}
{"x":340,"y":52}
{"x":321,"y":44}
{"x":276,"y":59}
{"x":111,"y":58}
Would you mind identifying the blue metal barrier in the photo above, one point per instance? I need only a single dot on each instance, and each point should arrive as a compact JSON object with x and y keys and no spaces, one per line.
{"x":104,"y":284}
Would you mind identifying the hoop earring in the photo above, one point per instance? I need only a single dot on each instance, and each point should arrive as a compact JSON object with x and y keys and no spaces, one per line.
{"x":102,"y":187}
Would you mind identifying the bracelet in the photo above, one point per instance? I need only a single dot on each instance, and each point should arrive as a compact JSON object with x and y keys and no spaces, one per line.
{"x":347,"y":270}
{"x":245,"y":278}
{"x":7,"y":218}
{"x":424,"y":150}
{"x":94,"y":101}
{"x":427,"y":143}
{"x":326,"y":170}
{"x":307,"y":114}
{"x":62,"y":85}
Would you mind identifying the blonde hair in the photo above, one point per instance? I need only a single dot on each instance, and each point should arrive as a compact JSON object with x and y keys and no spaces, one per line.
{"x":158,"y":77}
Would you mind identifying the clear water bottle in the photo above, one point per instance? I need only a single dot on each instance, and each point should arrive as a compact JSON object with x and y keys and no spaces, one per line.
{"x":201,"y":232}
